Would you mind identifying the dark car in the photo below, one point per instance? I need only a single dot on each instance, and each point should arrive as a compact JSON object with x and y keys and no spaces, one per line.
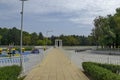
{"x":35,"y":51}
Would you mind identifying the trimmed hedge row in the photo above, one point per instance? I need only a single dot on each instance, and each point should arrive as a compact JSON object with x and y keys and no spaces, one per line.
{"x":111,"y":67}
{"x":10,"y":72}
{"x":26,"y":48}
{"x":21,"y":78}
{"x":99,"y":73}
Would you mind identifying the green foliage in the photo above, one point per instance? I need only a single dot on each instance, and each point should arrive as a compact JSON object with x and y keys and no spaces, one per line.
{"x":40,"y":36}
{"x":0,"y":38}
{"x":28,"y":48}
{"x":106,"y":33}
{"x":26,"y":38}
{"x":10,"y":72}
{"x":12,"y":36}
{"x":111,"y":67}
{"x":107,"y":30}
{"x":41,"y":42}
{"x":34,"y":38}
{"x":21,"y":78}
{"x":98,"y":72}
{"x":75,"y":40}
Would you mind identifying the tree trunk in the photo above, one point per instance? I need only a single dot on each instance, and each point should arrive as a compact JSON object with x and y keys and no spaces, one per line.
{"x":116,"y":43}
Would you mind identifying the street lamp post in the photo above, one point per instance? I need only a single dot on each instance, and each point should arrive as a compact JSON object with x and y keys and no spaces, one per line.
{"x":47,"y":37}
{"x":21,"y":31}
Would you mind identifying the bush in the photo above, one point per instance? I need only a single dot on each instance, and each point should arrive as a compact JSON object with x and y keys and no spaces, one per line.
{"x":99,"y":73}
{"x":21,"y":78}
{"x":26,"y":48}
{"x":111,"y":67}
{"x":10,"y":72}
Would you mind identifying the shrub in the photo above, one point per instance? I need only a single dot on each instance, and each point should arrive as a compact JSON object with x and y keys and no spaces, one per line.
{"x":99,"y":73}
{"x":10,"y":72}
{"x":28,"y":48}
{"x":111,"y":67}
{"x":21,"y":78}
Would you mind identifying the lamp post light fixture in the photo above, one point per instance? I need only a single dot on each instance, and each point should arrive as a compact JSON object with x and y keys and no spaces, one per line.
{"x":47,"y":38}
{"x":21,"y":37}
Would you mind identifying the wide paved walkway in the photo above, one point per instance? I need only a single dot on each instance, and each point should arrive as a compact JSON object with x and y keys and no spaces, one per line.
{"x":56,"y":66}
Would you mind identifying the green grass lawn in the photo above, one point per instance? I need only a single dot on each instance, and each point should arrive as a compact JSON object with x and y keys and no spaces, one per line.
{"x":10,"y":72}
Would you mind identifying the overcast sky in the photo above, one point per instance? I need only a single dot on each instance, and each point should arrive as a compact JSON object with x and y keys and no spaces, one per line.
{"x":66,"y":17}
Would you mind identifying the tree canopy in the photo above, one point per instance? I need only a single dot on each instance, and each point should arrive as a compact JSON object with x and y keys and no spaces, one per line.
{"x":12,"y":36}
{"x":107,"y":30}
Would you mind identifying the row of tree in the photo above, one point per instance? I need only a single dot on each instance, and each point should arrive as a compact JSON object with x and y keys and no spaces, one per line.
{"x":107,"y":30}
{"x":74,"y":40}
{"x":12,"y":36}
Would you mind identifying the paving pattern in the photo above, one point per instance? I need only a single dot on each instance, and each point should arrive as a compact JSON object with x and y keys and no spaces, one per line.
{"x":56,"y":66}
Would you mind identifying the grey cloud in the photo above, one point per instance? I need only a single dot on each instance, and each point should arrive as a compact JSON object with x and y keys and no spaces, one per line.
{"x":77,"y":12}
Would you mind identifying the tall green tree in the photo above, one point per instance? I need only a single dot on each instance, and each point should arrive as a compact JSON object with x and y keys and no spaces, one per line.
{"x":4,"y":33}
{"x":104,"y":34}
{"x":117,"y":27}
{"x":26,"y":38}
{"x":107,"y":30}
{"x":40,"y":36}
{"x":0,"y":39}
{"x":34,"y":38}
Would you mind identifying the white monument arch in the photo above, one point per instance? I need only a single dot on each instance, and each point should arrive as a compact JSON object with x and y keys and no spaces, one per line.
{"x":58,"y":43}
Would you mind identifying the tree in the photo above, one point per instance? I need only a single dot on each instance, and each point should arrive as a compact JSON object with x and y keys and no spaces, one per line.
{"x":98,"y":30}
{"x":27,"y":40}
{"x":52,"y":39}
{"x":41,"y":36}
{"x":0,"y":38}
{"x":103,"y":32}
{"x":117,"y":27}
{"x":15,"y":33}
{"x":34,"y":38}
{"x":41,"y":42}
{"x":12,"y":36}
{"x":4,"y":33}
{"x":107,"y":30}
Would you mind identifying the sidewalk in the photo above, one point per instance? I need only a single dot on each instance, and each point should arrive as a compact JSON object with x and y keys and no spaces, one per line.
{"x":56,"y":66}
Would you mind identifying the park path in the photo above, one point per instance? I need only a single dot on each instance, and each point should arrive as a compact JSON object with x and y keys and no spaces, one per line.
{"x":56,"y":66}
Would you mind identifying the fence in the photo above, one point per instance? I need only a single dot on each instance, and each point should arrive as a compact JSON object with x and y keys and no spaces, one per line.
{"x":29,"y":61}
{"x":7,"y":61}
{"x":86,"y":56}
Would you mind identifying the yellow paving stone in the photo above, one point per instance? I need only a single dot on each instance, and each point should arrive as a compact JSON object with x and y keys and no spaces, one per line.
{"x":56,"y":66}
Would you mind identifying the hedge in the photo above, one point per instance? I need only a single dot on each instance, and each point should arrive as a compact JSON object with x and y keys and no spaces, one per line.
{"x":21,"y":78}
{"x":26,"y":48}
{"x":112,"y":67}
{"x":99,"y":73}
{"x":10,"y":72}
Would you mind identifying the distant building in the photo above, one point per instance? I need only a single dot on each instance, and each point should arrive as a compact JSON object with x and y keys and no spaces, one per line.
{"x":58,"y":43}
